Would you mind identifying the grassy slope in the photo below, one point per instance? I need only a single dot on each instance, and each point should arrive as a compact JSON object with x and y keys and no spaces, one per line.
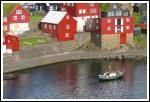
{"x":104,"y":7}
{"x":136,"y":18}
{"x":7,"y":7}
{"x":140,"y":40}
{"x":33,"y":41}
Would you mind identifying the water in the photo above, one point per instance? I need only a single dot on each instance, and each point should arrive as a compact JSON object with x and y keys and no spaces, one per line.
{"x":78,"y":80}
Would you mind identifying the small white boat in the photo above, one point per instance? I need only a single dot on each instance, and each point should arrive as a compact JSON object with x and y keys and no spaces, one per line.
{"x":10,"y":76}
{"x":111,"y":76}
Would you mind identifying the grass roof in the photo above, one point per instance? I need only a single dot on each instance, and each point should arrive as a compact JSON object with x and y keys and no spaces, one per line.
{"x":7,"y":7}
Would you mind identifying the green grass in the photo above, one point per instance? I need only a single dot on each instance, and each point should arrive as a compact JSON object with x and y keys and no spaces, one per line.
{"x":136,"y":18}
{"x":104,"y":7}
{"x":33,"y":41}
{"x":140,"y":40}
{"x":7,"y":7}
{"x":35,"y":18}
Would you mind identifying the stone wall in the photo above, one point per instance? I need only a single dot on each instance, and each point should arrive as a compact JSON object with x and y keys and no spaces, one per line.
{"x":110,"y":41}
{"x":129,"y":38}
{"x":54,"y":47}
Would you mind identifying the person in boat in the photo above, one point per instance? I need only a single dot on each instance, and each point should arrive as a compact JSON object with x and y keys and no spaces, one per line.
{"x":106,"y":74}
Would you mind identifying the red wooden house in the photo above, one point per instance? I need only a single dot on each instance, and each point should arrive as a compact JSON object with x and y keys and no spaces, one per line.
{"x":60,"y":25}
{"x":81,"y":11}
{"x":16,"y":20}
{"x":115,"y":28}
{"x":11,"y":42}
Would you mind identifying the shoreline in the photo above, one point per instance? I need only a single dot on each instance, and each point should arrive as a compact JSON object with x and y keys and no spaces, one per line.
{"x":71,"y":56}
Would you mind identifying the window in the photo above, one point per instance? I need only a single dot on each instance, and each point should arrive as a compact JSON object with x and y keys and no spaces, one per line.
{"x":90,"y":25}
{"x":118,"y":21}
{"x":119,"y":13}
{"x":64,"y":9}
{"x":92,"y":11}
{"x":67,"y":26}
{"x":127,"y":27}
{"x":49,"y":26}
{"x":5,"y":19}
{"x":22,"y":16}
{"x":126,"y":14}
{"x":18,"y":11}
{"x":91,"y":4}
{"x":5,"y":27}
{"x":54,"y":26}
{"x":51,"y":8}
{"x":97,"y":21}
{"x":97,"y":27}
{"x":84,"y":11}
{"x":114,"y":6}
{"x":67,"y":17}
{"x":80,"y":11}
{"x":112,"y":13}
{"x":68,"y":4}
{"x":66,"y":34}
{"x":108,"y":28}
{"x":127,"y":19}
{"x":45,"y":26}
{"x":109,"y":14}
{"x":109,"y":20}
{"x":72,"y":4}
{"x":15,"y":17}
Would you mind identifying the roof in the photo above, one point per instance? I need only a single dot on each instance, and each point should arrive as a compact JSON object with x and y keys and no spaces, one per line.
{"x":7,"y":7}
{"x":54,"y":17}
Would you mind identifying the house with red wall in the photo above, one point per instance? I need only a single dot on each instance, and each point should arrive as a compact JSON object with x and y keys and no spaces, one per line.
{"x":16,"y":20}
{"x":60,"y":25}
{"x":11,"y":43}
{"x":81,"y":11}
{"x":116,"y":28}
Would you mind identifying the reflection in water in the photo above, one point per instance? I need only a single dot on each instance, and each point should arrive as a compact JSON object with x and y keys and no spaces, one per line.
{"x":79,"y":79}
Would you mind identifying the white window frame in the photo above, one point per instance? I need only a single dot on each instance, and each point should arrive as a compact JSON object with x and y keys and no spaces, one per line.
{"x":45,"y":26}
{"x":18,"y":11}
{"x":67,"y":26}
{"x":54,"y":26}
{"x":91,"y":4}
{"x":97,"y":21}
{"x":67,"y":17}
{"x":127,"y":27}
{"x":66,"y":35}
{"x":121,"y":28}
{"x":23,"y":17}
{"x":112,"y":13}
{"x":119,"y":13}
{"x":5,"y":27}
{"x":84,"y":11}
{"x":109,"y":14}
{"x":97,"y":27}
{"x":14,"y":17}
{"x":80,"y":11}
{"x":127,"y":20}
{"x":92,"y":11}
{"x":51,"y":8}
{"x":72,"y":4}
{"x":121,"y":21}
{"x":109,"y":28}
{"x":5,"y":19}
{"x":90,"y":26}
{"x":126,"y":14}
{"x":108,"y":20}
